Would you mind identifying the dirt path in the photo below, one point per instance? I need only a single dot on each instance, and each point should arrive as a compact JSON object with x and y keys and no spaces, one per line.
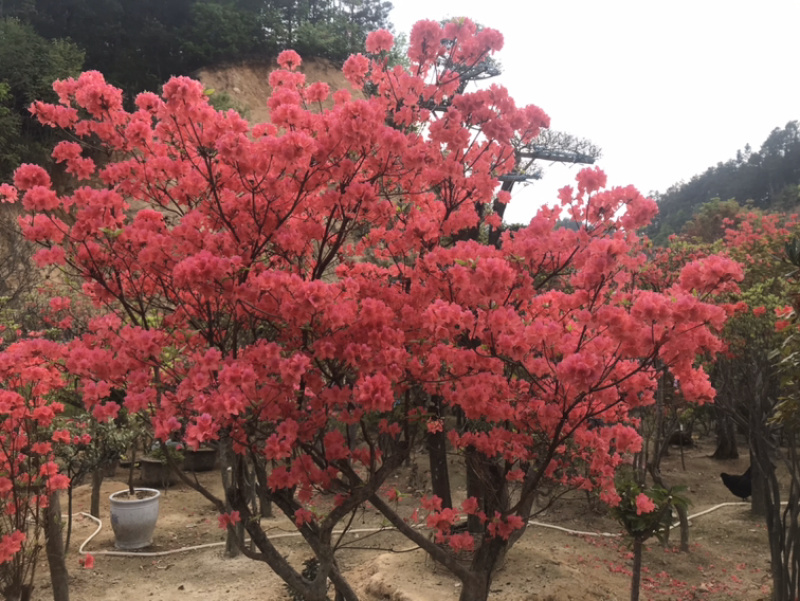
{"x":728,"y":558}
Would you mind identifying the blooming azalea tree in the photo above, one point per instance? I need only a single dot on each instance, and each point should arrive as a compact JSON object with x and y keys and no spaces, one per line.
{"x":664,"y":270}
{"x":756,"y":375}
{"x":782,"y":517}
{"x":760,"y":376}
{"x":745,"y":374}
{"x":303,"y":291}
{"x":29,"y":475}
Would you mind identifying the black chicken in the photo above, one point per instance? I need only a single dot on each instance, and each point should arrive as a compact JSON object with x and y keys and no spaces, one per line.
{"x":741,"y":486}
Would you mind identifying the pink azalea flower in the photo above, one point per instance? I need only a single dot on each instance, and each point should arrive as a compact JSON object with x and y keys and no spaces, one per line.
{"x":644,"y":504}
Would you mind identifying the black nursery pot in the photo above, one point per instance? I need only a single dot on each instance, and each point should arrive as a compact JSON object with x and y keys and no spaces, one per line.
{"x":203,"y":459}
{"x":155,"y":472}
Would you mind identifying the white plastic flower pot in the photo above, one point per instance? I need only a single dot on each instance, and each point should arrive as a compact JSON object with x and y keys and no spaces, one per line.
{"x":134,"y":519}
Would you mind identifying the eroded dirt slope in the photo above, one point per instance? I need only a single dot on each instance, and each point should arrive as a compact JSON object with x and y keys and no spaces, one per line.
{"x":248,"y":84}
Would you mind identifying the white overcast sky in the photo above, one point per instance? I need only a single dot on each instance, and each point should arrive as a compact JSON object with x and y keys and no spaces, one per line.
{"x":666,"y":89}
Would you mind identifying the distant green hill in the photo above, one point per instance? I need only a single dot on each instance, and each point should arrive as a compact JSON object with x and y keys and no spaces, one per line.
{"x":768,"y":179}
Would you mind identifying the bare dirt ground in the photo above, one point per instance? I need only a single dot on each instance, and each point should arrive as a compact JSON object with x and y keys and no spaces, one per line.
{"x":248,"y":84}
{"x":728,"y":558}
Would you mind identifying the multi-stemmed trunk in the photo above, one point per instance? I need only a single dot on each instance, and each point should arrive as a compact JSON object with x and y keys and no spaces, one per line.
{"x":488,"y":558}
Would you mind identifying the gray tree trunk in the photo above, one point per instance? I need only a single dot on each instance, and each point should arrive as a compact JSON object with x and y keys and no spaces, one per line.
{"x":54,"y":545}
{"x":97,"y":482}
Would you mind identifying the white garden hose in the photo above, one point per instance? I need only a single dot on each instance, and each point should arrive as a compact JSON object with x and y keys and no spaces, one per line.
{"x":82,"y":549}
{"x":617,"y":534}
{"x":99,"y":523}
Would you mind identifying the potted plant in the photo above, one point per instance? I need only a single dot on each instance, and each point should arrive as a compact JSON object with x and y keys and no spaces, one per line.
{"x":204,"y":459}
{"x":134,"y":512}
{"x":134,"y":516}
{"x":159,"y":470}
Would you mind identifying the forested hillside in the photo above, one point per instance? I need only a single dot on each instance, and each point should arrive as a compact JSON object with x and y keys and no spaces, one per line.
{"x":138,"y":44}
{"x":28,"y":65}
{"x":767,"y":179}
